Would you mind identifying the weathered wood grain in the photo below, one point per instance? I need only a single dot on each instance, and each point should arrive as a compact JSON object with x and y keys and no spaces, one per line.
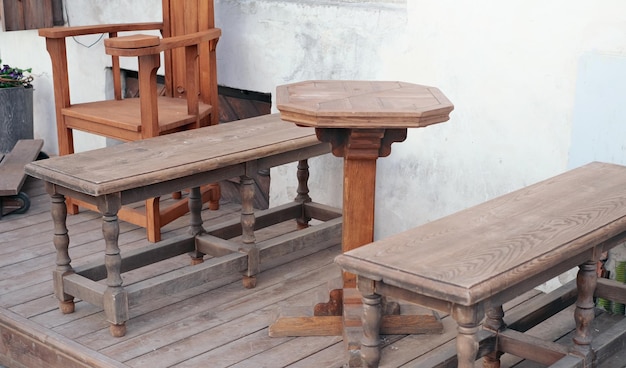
{"x":529,"y":231}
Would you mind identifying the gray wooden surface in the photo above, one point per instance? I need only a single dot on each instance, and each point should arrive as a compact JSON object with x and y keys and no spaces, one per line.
{"x":173,"y":156}
{"x":543,"y":229}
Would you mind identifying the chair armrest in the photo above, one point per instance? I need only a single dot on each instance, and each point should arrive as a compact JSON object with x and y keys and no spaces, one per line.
{"x":137,"y":41}
{"x":140,"y":45}
{"x":55,"y":44}
{"x":62,"y":32}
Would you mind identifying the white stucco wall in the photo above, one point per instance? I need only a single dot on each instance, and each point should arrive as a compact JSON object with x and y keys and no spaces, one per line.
{"x":520,"y":74}
{"x":511,"y":68}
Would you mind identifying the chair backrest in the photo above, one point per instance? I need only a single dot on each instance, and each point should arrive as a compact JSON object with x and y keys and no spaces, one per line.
{"x":182,"y":17}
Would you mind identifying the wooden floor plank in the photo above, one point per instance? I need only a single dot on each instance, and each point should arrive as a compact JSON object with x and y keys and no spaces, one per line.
{"x":235,"y":351}
{"x":250,"y":322}
{"x":333,"y":356}
{"x":283,"y":355}
{"x":204,"y":311}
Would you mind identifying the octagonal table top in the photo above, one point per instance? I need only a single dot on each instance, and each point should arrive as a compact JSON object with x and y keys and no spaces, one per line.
{"x":362,"y":104}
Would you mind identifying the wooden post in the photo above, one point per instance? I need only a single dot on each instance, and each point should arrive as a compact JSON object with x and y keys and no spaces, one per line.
{"x":61,"y":242}
{"x":115,"y":298}
{"x":195,"y":222}
{"x":303,"y":191}
{"x":247,"y":227}
{"x":468,"y":319}
{"x":584,"y":314}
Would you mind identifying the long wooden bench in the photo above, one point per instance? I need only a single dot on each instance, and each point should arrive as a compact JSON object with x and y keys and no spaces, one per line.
{"x":470,"y":263}
{"x":12,"y":175}
{"x":131,"y":172}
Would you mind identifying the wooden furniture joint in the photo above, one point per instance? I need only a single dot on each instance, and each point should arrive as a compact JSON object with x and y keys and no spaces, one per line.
{"x":468,"y":264}
{"x":114,"y":176}
{"x":361,"y":119}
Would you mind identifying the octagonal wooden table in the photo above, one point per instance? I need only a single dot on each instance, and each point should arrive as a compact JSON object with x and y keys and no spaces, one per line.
{"x":361,"y":119}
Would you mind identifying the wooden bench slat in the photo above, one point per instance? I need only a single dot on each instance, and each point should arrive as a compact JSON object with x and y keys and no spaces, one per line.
{"x":155,"y":160}
{"x":476,"y":253}
{"x":12,"y":174}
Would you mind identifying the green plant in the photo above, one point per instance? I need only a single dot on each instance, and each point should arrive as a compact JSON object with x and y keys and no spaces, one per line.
{"x":14,"y":77}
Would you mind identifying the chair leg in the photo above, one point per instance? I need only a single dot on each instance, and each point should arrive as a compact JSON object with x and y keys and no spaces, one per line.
{"x":153,"y":220}
{"x":66,"y":147}
{"x":72,"y":208}
{"x":214,"y":197}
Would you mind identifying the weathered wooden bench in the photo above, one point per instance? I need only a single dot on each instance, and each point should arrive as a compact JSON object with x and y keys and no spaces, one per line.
{"x":131,"y":172}
{"x":470,"y":263}
{"x":12,"y":175}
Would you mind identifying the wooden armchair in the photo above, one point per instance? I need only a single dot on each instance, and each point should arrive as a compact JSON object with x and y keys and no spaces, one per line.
{"x":190,"y":100}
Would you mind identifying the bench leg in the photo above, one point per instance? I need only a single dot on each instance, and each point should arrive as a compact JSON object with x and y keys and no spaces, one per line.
{"x":195,"y":222}
{"x":371,"y":320}
{"x":303,"y":191}
{"x":115,"y":300}
{"x":61,"y":242}
{"x":584,"y":314}
{"x":247,"y":232}
{"x":468,"y":319}
{"x":495,"y":322}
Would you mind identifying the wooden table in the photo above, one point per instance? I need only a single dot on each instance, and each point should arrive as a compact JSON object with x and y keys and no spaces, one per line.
{"x":361,"y":119}
{"x":131,"y":172}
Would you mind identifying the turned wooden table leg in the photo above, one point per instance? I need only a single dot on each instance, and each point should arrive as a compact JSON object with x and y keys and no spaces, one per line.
{"x":371,"y":320}
{"x":468,"y":319}
{"x":303,"y":191}
{"x":115,"y":298}
{"x":61,"y":242}
{"x":195,"y":222}
{"x":584,"y":314}
{"x":247,"y":231}
{"x":495,"y":323}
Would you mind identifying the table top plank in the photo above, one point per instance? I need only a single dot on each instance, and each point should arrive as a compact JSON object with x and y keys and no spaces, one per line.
{"x":480,"y":251}
{"x":141,"y":163}
{"x":362,"y":104}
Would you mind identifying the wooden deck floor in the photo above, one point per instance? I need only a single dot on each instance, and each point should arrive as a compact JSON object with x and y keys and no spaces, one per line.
{"x":219,"y":324}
